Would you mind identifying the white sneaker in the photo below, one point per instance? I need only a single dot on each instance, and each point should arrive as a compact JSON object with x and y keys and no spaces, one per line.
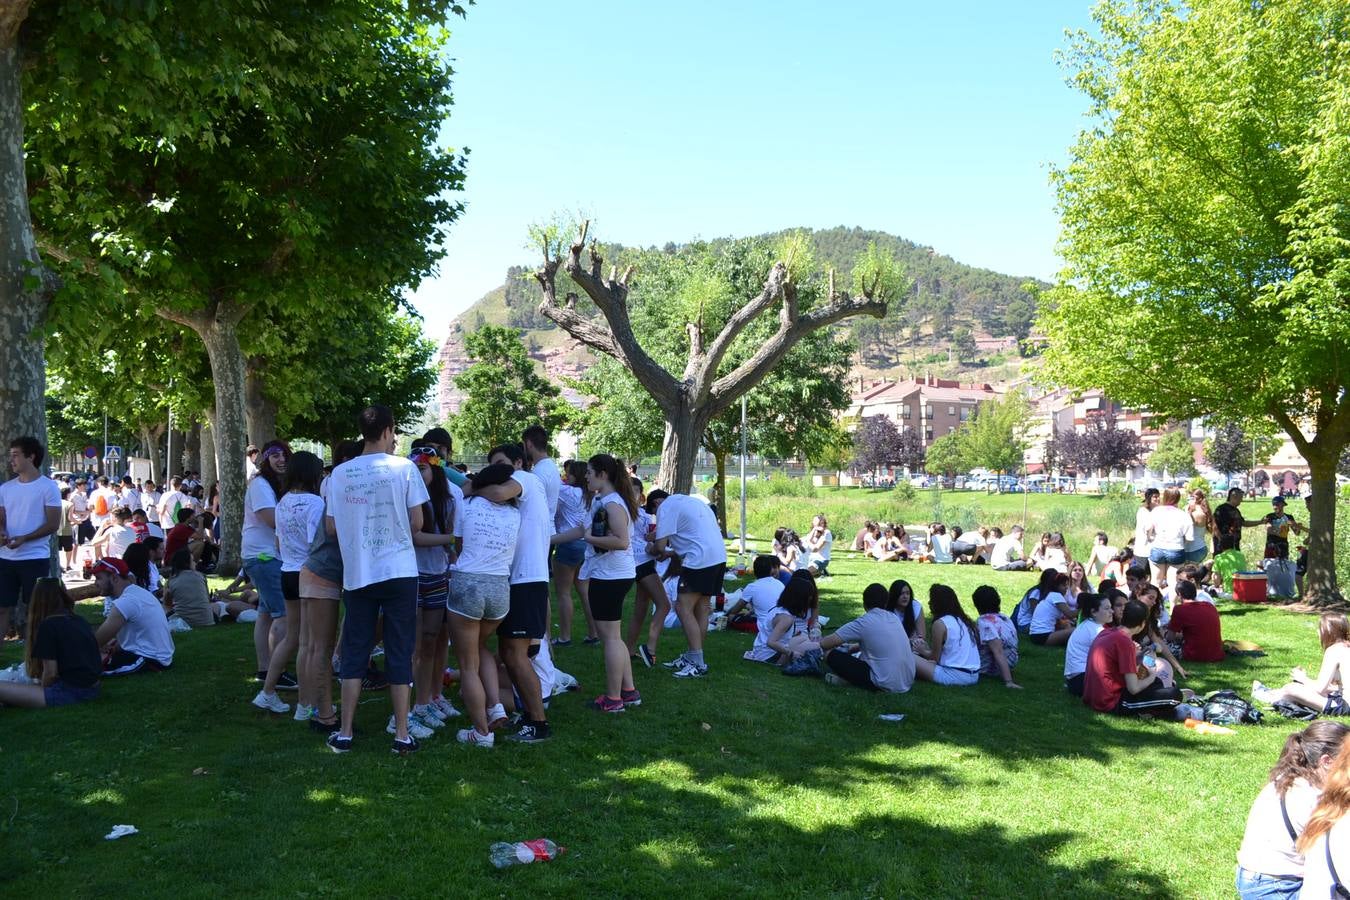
{"x":446,"y":708}
{"x":496,"y":717}
{"x":691,"y":670}
{"x":424,"y":717}
{"x":562,"y":682}
{"x":271,"y":703}
{"x":677,"y":663}
{"x":303,"y":713}
{"x":415,"y":728}
{"x":429,"y":709}
{"x":471,"y":737}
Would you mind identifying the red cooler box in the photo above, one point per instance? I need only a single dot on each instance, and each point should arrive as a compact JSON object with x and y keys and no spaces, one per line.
{"x":1249,"y":587}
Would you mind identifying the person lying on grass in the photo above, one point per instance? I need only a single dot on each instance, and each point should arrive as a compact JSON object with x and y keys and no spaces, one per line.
{"x":955,"y":657}
{"x":1051,"y":620}
{"x":1269,"y":863}
{"x":60,"y":653}
{"x":1323,"y":694}
{"x":998,"y":637}
{"x":1151,"y":640}
{"x":1095,"y":612}
{"x":884,"y":661}
{"x":1196,"y":624}
{"x":1116,"y":681}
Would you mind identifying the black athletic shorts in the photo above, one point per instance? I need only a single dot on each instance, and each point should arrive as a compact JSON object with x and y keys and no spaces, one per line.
{"x":706,"y":581}
{"x":606,"y":597}
{"x":66,"y":542}
{"x":528,"y":616}
{"x":645,"y":569}
{"x":290,"y":586}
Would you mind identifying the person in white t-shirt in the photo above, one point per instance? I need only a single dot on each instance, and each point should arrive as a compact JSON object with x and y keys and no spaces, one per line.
{"x":573,"y":510}
{"x":102,"y":502}
{"x":651,"y":592}
{"x":1269,"y":861}
{"x":686,"y":527}
{"x":1007,"y":553}
{"x":258,"y":548}
{"x":136,"y":621}
{"x":173,"y":499}
{"x":527,"y":618}
{"x":30,"y":512}
{"x":434,"y":554}
{"x":1095,"y":612}
{"x":374,"y":508}
{"x":534,"y":440}
{"x":131,"y":498}
{"x":819,"y":541}
{"x":298,"y":516}
{"x":1053,"y":608}
{"x":480,"y":596}
{"x":1143,"y":520}
{"x":761,"y":596}
{"x":115,"y":537}
{"x":79,"y":515}
{"x":1170,"y":530}
{"x":955,"y":655}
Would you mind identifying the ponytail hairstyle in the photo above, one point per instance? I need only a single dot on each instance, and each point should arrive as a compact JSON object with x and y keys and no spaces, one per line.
{"x":1333,"y":806}
{"x":438,"y":518}
{"x":1303,"y":752}
{"x":49,"y":598}
{"x":942,"y":601}
{"x":1333,"y":628}
{"x":907,"y":614}
{"x":617,"y":473}
{"x":137,"y":558}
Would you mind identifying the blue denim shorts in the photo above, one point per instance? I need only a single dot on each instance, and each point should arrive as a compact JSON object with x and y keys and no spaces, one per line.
{"x":266,"y":578}
{"x":58,"y":693}
{"x":1255,"y":886}
{"x":1167,"y":557}
{"x":570,"y":554}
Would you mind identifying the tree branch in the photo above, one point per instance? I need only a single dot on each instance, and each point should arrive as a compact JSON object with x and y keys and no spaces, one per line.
{"x":774,"y":286}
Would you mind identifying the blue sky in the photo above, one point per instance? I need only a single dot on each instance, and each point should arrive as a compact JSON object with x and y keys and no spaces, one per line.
{"x":700,"y":119}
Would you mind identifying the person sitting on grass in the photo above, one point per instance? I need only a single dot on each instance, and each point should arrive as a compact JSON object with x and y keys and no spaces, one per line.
{"x":761,"y":595}
{"x":785,"y":629}
{"x":819,"y":542}
{"x":1026,"y":607}
{"x":1196,"y":623}
{"x":955,"y":655}
{"x":1269,"y":863}
{"x":939,"y":545}
{"x":1078,"y":583}
{"x":1115,"y":680}
{"x":1006,"y":556}
{"x":907,"y":607}
{"x":1051,"y":620}
{"x":1151,"y":640}
{"x":884,"y":661}
{"x":135,"y":636}
{"x":1101,"y":556}
{"x":1118,"y":565}
{"x":888,"y":548}
{"x":185,"y":592}
{"x":60,"y":652}
{"x":866,"y":536}
{"x":788,"y":546}
{"x":998,"y":637}
{"x":1095,"y":612}
{"x":1324,"y":694}
{"x":1227,"y":563}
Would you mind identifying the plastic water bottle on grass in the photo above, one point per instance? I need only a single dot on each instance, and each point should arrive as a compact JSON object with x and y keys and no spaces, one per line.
{"x":540,"y":850}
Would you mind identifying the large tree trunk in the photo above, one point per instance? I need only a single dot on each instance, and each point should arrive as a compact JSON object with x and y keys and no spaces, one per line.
{"x":218,"y":329}
{"x":192,"y":448}
{"x":679,"y":450}
{"x":208,"y":452}
{"x":1319,"y":585}
{"x":26,"y":286}
{"x":260,"y":409}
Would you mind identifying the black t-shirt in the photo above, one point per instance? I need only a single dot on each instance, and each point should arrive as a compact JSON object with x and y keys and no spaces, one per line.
{"x":70,"y":641}
{"x":1228,"y":520}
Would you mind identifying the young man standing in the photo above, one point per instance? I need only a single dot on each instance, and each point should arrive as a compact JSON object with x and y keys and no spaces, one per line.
{"x":136,"y":620}
{"x":79,"y":514}
{"x":535,"y":441}
{"x":102,"y":502}
{"x":688,"y":528}
{"x":30,"y":511}
{"x":1228,"y":520}
{"x":374,"y":509}
{"x":131,"y":498}
{"x":527,"y":619}
{"x":173,"y":500}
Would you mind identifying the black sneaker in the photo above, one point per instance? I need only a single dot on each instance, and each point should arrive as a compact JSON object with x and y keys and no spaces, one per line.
{"x":404,"y":748}
{"x":648,"y":658}
{"x":374,"y":680}
{"x":329,"y":728}
{"x":531,"y":733}
{"x":287,"y":682}
{"x":339,"y":744}
{"x":260,"y":676}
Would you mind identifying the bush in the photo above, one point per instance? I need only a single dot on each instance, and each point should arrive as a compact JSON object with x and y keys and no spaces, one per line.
{"x":778,"y":484}
{"x":1345,"y":491}
{"x":1199,"y":483}
{"x":905,"y":492}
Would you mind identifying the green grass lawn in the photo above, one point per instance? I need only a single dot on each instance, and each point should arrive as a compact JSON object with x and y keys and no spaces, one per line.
{"x":747,"y":783}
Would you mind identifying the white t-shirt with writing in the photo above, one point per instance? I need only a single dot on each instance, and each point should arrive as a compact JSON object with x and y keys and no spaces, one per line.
{"x":530,"y":564}
{"x":146,"y":632}
{"x":693,"y":531}
{"x":26,"y":506}
{"x":640,"y":536}
{"x":490,"y":531}
{"x":368,"y":500}
{"x":611,"y":565}
{"x":260,"y":539}
{"x":299,"y":516}
{"x":571,"y":510}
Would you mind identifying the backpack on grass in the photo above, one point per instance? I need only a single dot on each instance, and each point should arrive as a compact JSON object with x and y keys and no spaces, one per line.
{"x":1227,"y":708}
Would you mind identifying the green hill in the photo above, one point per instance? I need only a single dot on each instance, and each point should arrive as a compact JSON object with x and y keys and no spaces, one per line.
{"x":948,"y":305}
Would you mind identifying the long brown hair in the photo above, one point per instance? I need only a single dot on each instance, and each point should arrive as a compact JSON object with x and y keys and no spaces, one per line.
{"x":49,"y":598}
{"x":1333,"y":628}
{"x":1335,"y":802}
{"x":617,"y":473}
{"x":1303,"y":752}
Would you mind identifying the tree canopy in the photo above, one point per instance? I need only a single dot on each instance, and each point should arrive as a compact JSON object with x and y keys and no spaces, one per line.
{"x":1175,"y":455}
{"x":503,"y":392}
{"x":1203,"y":211}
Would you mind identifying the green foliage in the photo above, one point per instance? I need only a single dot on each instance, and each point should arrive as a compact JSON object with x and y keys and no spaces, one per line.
{"x":995,"y":437}
{"x":1237,"y":447}
{"x":904,"y":491}
{"x":1175,"y":455}
{"x":503,"y":392}
{"x":1200,"y":483}
{"x":963,"y":345}
{"x":946,"y":455}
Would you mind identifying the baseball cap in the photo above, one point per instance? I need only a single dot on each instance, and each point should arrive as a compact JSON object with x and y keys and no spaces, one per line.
{"x":1277,"y":501}
{"x":115,"y":566}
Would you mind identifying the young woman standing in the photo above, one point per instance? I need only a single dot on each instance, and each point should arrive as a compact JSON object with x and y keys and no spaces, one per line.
{"x":1170,"y":532}
{"x":609,"y":560}
{"x":261,"y":563}
{"x":573,"y":502}
{"x":433,"y":588}
{"x":298,"y":516}
{"x":649,"y":587}
{"x":649,"y":579}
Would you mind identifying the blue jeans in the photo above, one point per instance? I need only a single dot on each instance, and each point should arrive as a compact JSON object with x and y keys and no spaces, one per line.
{"x":1255,"y":886}
{"x":266,"y":578}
